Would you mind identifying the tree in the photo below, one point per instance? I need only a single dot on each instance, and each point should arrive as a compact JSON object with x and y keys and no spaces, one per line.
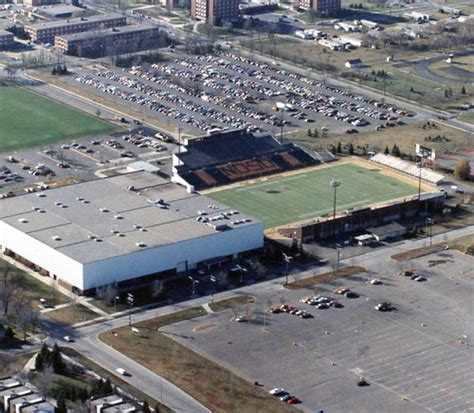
{"x":98,"y":112}
{"x":61,"y":405}
{"x":339,"y":148}
{"x":39,"y":362}
{"x":57,"y":362}
{"x":145,"y":407}
{"x":351,"y":149}
{"x":396,"y":150}
{"x":310,"y":133}
{"x":462,"y":170}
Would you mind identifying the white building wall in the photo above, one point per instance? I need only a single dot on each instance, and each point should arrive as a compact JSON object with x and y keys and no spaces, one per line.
{"x":55,"y":262}
{"x":168,"y":256}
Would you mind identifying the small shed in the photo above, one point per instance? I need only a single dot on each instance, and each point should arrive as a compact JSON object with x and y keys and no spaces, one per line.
{"x":389,"y":231}
{"x":353,"y":64}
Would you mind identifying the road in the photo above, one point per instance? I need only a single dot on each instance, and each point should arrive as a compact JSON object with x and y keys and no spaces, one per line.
{"x":88,"y":343}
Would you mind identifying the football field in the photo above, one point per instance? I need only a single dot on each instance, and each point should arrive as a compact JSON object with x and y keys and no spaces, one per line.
{"x":29,"y":120}
{"x":309,"y":194}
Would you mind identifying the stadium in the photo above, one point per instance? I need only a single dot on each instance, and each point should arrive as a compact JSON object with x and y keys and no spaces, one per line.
{"x":296,"y":198}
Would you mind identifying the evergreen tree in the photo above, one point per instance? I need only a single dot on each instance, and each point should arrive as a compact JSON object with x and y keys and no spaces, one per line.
{"x":396,"y":150}
{"x":351,"y":149}
{"x":56,"y":360}
{"x":145,"y":407}
{"x":107,"y":387}
{"x":316,"y":133}
{"x":39,"y":362}
{"x":310,"y":133}
{"x":333,"y":149}
{"x":463,"y":90}
{"x":339,"y":148}
{"x":61,"y":405}
{"x":386,"y":151}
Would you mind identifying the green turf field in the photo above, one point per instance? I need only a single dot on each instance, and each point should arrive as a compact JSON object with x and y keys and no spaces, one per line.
{"x":27,"y":120}
{"x":309,"y":194}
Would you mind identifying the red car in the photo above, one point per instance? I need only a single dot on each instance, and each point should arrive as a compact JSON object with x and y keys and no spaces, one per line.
{"x":293,"y":400}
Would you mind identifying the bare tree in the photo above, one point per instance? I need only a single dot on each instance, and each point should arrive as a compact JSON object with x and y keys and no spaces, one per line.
{"x":9,"y":290}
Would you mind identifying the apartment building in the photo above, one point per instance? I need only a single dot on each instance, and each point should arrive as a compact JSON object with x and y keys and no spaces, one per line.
{"x":6,"y":39}
{"x":215,"y":11}
{"x":324,"y":7}
{"x":125,"y":39}
{"x":46,"y":32}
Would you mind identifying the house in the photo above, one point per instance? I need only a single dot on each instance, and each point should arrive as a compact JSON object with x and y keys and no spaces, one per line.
{"x":354,"y":64}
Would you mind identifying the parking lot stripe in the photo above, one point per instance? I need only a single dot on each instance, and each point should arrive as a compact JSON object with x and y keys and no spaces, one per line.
{"x":460,"y":407}
{"x":459,"y":381}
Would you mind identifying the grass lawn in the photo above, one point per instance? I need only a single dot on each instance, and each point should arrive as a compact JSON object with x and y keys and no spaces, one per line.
{"x":12,"y":364}
{"x":115,"y":380}
{"x":227,"y":303}
{"x":316,"y":279}
{"x":467,"y":117}
{"x":33,"y":288}
{"x":215,"y":387}
{"x":72,"y":314}
{"x":308,"y":194}
{"x":28,"y":120}
{"x":405,"y":136}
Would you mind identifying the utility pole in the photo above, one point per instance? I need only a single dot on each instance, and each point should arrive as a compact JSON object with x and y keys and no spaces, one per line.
{"x":430,"y":222}
{"x":420,"y":166}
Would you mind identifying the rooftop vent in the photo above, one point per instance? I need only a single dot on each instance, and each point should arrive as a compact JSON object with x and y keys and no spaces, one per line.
{"x":140,"y":244}
{"x":56,"y":238}
{"x":92,"y":237}
{"x":97,"y":240}
{"x":114,"y":231}
{"x":57,"y":203}
{"x":40,"y":194}
{"x":103,"y":210}
{"x":36,"y":208}
{"x":23,"y":220}
{"x":41,"y":211}
{"x":137,"y":226}
{"x":118,"y":216}
{"x":80,"y":199}
{"x":142,"y":229}
{"x":63,"y":206}
{"x":120,"y":234}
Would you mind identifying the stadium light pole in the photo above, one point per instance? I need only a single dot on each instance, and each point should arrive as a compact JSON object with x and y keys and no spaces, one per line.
{"x":335,"y":183}
{"x":420,"y":166}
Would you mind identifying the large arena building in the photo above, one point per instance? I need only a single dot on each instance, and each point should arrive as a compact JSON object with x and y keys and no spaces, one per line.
{"x":121,"y":228}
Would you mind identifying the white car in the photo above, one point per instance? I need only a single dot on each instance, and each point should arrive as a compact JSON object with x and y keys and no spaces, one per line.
{"x":68,"y":339}
{"x":376,"y":281}
{"x":122,"y":372}
{"x":276,"y":391}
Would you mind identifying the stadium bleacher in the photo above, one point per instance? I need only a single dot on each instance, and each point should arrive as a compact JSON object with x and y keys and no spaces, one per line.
{"x":407,"y":167}
{"x":228,"y":157}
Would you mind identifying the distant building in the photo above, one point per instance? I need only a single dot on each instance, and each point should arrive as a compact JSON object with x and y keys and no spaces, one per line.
{"x":6,"y":40}
{"x":419,"y":17}
{"x":125,"y":39}
{"x":61,"y":11}
{"x":353,"y":64}
{"x":36,"y":3}
{"x":215,"y":11}
{"x":320,"y":6}
{"x":45,"y":32}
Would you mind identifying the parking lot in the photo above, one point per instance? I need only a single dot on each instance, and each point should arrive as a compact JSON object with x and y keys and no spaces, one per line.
{"x":201,"y":93}
{"x":79,"y":159}
{"x":417,"y":357}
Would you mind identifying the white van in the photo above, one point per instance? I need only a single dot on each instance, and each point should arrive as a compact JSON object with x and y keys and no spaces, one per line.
{"x":122,"y":372}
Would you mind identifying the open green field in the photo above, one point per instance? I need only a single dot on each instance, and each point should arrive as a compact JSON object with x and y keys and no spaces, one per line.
{"x":309,"y":194}
{"x":29,"y":120}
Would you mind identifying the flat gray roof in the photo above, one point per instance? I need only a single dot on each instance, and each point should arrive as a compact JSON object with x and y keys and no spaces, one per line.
{"x":57,"y":9}
{"x":107,"y":32}
{"x":101,"y":219}
{"x":61,"y":23}
{"x":5,"y":32}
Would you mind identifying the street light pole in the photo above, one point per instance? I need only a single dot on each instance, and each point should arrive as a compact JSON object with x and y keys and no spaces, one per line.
{"x":420,"y":166}
{"x":287,"y":259}
{"x":213,"y":280}
{"x":130,"y":302}
{"x":194,"y":284}
{"x":429,"y":222}
{"x":335,"y":183}
{"x":116,"y":299}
